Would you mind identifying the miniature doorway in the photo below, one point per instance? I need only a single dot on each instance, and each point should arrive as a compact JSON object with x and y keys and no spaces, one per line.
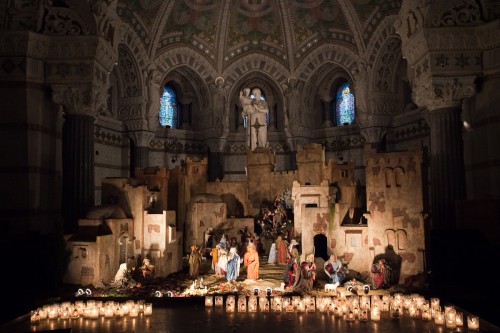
{"x":123,"y":249}
{"x":320,"y":246}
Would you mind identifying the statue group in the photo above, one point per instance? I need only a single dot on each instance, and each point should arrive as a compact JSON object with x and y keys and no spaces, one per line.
{"x":255,"y":110}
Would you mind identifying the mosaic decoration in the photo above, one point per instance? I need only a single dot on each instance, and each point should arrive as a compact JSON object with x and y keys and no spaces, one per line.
{"x":194,"y":20}
{"x":314,"y":17}
{"x":146,"y":11}
{"x":168,"y":108}
{"x":344,"y":105}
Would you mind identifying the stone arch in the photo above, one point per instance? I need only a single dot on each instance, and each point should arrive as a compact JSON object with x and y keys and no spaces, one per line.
{"x":401,"y":239}
{"x":321,"y":246}
{"x":271,"y":89}
{"x":128,"y":74}
{"x":390,"y":237}
{"x":124,"y":240}
{"x":189,"y":57}
{"x":256,"y":63}
{"x":338,"y":55}
{"x":389,"y":177}
{"x":136,"y":46}
{"x":398,"y":176}
{"x":384,"y":31}
{"x":385,"y":68}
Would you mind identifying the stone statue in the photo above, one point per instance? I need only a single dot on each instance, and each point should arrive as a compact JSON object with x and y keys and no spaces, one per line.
{"x":221,"y":119}
{"x":292,"y":102}
{"x":255,"y":111}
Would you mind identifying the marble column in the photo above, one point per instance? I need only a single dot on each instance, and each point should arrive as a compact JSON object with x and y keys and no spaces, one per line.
{"x":78,"y":168}
{"x":443,"y":96}
{"x":446,"y":165}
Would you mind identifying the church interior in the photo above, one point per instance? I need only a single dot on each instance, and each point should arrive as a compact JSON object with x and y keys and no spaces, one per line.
{"x":126,"y":135}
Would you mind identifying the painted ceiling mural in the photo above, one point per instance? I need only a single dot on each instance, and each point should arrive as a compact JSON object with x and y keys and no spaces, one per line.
{"x":282,"y":29}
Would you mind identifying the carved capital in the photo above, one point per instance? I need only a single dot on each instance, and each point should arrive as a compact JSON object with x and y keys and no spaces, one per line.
{"x":444,"y":92}
{"x":373,"y":134}
{"x":141,"y":138}
{"x":76,"y":99}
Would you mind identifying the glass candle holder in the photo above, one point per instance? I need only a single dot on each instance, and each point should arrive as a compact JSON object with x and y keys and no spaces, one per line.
{"x":473,"y":323}
{"x":252,"y":304}
{"x":263,"y":304}
{"x":439,"y":317}
{"x":219,"y":301}
{"x":209,"y":301}
{"x":450,"y":315}
{"x":459,"y":318}
{"x":148,"y":309}
{"x":375,"y":313}
{"x":242,"y":304}
{"x":34,"y":317}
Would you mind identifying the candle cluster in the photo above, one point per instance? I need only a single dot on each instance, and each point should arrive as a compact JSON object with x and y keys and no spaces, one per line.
{"x":350,"y":308}
{"x":91,"y":309}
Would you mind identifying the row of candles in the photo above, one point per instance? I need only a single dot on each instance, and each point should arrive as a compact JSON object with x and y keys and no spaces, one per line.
{"x":91,"y":309}
{"x":351,"y":307}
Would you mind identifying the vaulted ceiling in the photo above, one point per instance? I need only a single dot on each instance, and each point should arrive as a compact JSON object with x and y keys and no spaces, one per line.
{"x":284,"y":30}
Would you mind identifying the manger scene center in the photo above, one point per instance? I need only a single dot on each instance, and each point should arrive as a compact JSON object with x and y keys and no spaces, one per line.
{"x":313,"y":230}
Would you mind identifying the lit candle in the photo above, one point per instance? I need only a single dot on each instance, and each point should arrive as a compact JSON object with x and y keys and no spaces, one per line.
{"x":133,"y":311}
{"x":450,"y":317}
{"x":364,"y":315}
{"x":53,"y":313}
{"x":108,"y":312}
{"x":375,"y":313}
{"x":242,"y":304}
{"x":459,"y":318}
{"x":64,"y":313}
{"x":209,"y":301}
{"x":263,"y":304}
{"x":439,"y":317}
{"x":434,"y":302}
{"x":350,"y":316}
{"x":219,"y":301}
{"x":35,"y":317}
{"x":43,"y":313}
{"x":252,"y":304}
{"x":473,"y":323}
{"x":148,"y":309}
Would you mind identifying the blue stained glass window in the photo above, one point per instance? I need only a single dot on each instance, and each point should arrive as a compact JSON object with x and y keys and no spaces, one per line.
{"x":344,"y":105}
{"x":168,"y":108}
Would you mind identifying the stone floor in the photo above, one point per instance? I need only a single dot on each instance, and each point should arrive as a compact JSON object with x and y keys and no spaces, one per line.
{"x":186,"y":312}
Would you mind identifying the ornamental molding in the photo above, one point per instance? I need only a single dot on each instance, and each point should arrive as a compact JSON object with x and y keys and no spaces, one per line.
{"x":453,"y":13}
{"x":373,"y":134}
{"x":131,"y":108}
{"x":83,"y":48}
{"x":443,"y":92}
{"x":24,"y":44}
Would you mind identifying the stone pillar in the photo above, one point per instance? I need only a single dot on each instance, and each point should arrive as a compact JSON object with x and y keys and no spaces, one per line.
{"x":446,"y":165}
{"x":79,"y":104}
{"x":78,"y":168}
{"x":443,"y":99}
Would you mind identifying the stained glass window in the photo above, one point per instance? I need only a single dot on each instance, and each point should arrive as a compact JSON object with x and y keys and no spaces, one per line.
{"x":168,"y":108}
{"x":344,"y":105}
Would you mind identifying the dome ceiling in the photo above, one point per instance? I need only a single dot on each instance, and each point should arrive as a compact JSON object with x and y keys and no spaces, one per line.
{"x":285,"y":30}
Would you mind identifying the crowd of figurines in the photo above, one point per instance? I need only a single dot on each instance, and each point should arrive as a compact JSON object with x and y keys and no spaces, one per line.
{"x":350,"y":308}
{"x":91,"y":309}
{"x":272,"y":237}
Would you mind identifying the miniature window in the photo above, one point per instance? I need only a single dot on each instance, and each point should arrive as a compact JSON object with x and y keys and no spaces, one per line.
{"x":344,"y":105}
{"x":168,"y":108}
